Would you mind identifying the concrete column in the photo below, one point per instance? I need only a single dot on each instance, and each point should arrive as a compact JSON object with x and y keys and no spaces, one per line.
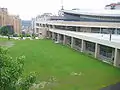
{"x":117,"y":58}
{"x":53,"y":26}
{"x":77,"y":29}
{"x":58,"y":38}
{"x":90,"y":29}
{"x":49,"y":34}
{"x":72,"y":42}
{"x":100,"y":30}
{"x":66,"y":28}
{"x":64,"y":39}
{"x":83,"y":46}
{"x":113,"y":53}
{"x":49,"y":27}
{"x":61,"y":38}
{"x":53,"y":35}
{"x":45,"y":28}
{"x":44,"y":25}
{"x":116,"y":31}
{"x":97,"y":50}
{"x":35,"y":30}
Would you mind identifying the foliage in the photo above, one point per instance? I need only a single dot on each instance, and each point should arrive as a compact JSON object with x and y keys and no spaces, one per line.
{"x":15,"y":35}
{"x":27,"y":81}
{"x":21,"y":36}
{"x":8,"y":37}
{"x":27,"y":35}
{"x":33,"y":36}
{"x":11,"y":71}
{"x":5,"y":30}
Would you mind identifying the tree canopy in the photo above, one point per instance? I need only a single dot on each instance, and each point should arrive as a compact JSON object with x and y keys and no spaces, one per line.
{"x":6,"y":30}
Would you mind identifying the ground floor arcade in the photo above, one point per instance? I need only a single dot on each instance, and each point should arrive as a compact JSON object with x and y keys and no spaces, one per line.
{"x":100,"y":51}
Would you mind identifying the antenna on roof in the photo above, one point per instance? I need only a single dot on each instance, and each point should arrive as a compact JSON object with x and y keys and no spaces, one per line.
{"x":62,"y":5}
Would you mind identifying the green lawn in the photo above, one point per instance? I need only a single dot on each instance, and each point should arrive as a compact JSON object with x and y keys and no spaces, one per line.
{"x":50,"y":59}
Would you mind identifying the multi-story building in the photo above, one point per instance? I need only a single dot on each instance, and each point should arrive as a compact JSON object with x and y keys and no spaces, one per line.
{"x":10,"y":20}
{"x":97,"y":34}
{"x":3,"y":16}
{"x":16,"y":22}
{"x":39,"y":31}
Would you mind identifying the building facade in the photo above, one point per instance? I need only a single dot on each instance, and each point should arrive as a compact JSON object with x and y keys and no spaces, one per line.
{"x":40,"y":31}
{"x":80,"y":36}
{"x":10,"y":20}
{"x":84,"y":32}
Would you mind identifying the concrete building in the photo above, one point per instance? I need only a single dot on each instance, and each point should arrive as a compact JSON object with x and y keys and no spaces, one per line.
{"x":81,"y":37}
{"x":97,"y":34}
{"x":40,"y":31}
{"x":10,"y":20}
{"x":92,"y":15}
{"x":3,"y":16}
{"x":16,"y":22}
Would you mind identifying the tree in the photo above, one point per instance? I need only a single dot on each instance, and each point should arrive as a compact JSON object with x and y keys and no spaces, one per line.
{"x":11,"y":71}
{"x":6,"y":30}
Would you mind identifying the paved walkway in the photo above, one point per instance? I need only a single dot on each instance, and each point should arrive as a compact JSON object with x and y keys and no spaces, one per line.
{"x":112,"y":87}
{"x":114,"y":38}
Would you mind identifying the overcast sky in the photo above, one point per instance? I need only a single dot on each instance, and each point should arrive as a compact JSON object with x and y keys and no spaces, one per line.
{"x":31,"y":8}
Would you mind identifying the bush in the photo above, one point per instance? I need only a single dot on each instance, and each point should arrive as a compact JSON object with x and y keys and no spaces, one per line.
{"x":27,"y":82}
{"x":21,"y":36}
{"x":11,"y":71}
{"x":28,"y":35}
{"x":15,"y":35}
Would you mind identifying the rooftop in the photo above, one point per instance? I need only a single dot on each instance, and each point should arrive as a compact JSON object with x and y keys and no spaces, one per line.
{"x":111,"y":13}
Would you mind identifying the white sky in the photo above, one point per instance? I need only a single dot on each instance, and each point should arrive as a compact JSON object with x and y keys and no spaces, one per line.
{"x":31,"y":8}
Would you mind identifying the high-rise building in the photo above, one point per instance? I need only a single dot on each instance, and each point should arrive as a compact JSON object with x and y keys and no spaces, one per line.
{"x":10,"y":20}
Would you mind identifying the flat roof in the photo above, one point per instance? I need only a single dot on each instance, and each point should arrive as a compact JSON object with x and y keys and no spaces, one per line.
{"x":82,"y":24}
{"x":109,"y":13}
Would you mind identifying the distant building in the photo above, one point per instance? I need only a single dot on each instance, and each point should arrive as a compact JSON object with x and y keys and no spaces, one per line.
{"x":113,"y":6}
{"x":39,"y":31}
{"x":74,"y":15}
{"x":33,"y":25}
{"x":15,"y":21}
{"x":10,"y":20}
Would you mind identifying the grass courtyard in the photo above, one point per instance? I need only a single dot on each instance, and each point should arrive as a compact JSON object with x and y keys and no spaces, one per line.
{"x":48,"y":60}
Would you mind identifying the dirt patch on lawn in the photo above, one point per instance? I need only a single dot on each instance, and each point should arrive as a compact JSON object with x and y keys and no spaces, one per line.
{"x":50,"y":83}
{"x":7,"y":44}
